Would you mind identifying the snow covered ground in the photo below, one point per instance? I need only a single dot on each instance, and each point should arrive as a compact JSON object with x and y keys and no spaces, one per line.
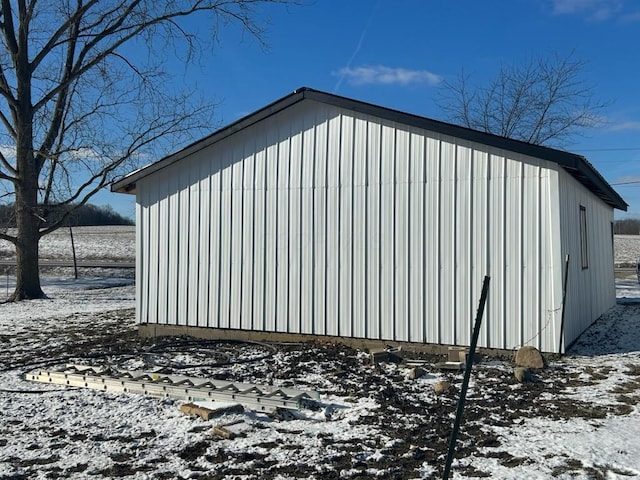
{"x":578,"y":419}
{"x":626,"y":249}
{"x":104,"y":243}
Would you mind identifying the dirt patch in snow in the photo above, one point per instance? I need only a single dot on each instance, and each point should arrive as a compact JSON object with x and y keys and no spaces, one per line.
{"x":384,"y":424}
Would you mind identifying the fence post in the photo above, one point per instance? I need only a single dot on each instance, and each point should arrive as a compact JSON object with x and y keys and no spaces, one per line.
{"x":467,"y":375}
{"x":73,"y":250}
{"x":564,"y":298}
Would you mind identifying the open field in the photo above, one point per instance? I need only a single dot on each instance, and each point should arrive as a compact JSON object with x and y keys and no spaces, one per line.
{"x":578,"y":419}
{"x":93,"y":245}
{"x":118,"y":243}
{"x":103,"y":243}
{"x":626,"y":250}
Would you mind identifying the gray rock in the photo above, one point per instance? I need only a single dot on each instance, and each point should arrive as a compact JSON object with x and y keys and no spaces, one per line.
{"x":529,"y":357}
{"x":416,"y":372}
{"x":441,"y":387}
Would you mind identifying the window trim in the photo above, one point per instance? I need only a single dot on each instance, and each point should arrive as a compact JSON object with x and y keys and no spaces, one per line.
{"x":584,"y":241}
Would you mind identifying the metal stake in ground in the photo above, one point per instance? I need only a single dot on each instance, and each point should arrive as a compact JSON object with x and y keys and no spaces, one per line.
{"x":465,"y":381}
{"x":564,"y":298}
{"x":73,"y":249}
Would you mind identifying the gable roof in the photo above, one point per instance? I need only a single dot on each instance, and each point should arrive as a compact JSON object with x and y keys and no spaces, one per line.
{"x":574,"y":164}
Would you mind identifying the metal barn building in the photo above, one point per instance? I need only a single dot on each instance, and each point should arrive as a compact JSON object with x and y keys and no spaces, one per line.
{"x":327,"y":216}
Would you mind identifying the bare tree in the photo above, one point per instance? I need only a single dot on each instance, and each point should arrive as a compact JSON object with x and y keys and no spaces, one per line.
{"x":627,"y":226}
{"x":84,"y":95}
{"x":545,"y":101}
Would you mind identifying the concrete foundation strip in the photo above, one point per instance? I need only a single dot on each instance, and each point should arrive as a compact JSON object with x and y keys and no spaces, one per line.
{"x":261,"y":398}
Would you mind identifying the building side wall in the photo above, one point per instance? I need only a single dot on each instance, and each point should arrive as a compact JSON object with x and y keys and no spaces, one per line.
{"x":324,"y":221}
{"x":590,"y":291}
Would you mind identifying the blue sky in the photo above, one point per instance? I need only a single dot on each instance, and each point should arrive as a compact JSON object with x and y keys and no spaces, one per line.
{"x":395,"y":53}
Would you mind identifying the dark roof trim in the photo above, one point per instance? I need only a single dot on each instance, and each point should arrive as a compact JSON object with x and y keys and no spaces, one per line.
{"x":127,"y":184}
{"x":576,"y":165}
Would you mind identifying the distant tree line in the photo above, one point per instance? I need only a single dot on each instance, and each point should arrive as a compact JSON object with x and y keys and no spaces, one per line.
{"x":84,"y":215}
{"x":628,"y":226}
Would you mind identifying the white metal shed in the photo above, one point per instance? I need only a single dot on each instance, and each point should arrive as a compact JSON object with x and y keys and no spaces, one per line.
{"x":324,"y":215}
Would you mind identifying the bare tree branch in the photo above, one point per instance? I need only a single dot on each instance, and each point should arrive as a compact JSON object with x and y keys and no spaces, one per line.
{"x":82,"y":104}
{"x":545,"y":101}
{"x":9,"y":238}
{"x":115,"y":31}
{"x":8,"y":28}
{"x":4,"y":176}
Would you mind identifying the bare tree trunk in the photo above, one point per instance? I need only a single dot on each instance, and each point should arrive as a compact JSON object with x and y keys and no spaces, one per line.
{"x":27,"y":272}
{"x":62,"y":84}
{"x":28,"y":224}
{"x":27,"y":220}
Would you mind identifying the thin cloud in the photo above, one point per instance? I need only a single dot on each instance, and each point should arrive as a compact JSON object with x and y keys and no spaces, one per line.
{"x":84,"y":153}
{"x":593,"y":10}
{"x":624,"y":126}
{"x":382,"y":75}
{"x":363,"y":34}
{"x":630,"y":17}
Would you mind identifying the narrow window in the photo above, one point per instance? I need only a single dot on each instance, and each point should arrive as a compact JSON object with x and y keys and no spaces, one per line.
{"x":613,"y":236}
{"x":584,"y":252}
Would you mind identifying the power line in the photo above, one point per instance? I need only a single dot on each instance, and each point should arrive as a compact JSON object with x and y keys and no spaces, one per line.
{"x":625,"y":183}
{"x":619,"y":149}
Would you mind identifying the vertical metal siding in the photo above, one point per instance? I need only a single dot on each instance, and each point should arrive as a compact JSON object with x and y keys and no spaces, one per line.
{"x":345,"y":227}
{"x":183,"y":241}
{"x":248,"y":236}
{"x":463,"y":240}
{"x":143,"y":234}
{"x":216,"y":245}
{"x":205,"y":264}
{"x":148,"y":258}
{"x":480,"y":204}
{"x":295,"y":225}
{"x":192,"y":272}
{"x":258,"y":314}
{"x":236,"y":227}
{"x":497,"y":315}
{"x":307,"y":225}
{"x":373,"y":231}
{"x":320,"y":224}
{"x":359,"y":222}
{"x":512,"y":242}
{"x":447,"y":231}
{"x":173,"y":250}
{"x":432,"y":188}
{"x":162,"y":270}
{"x":531,"y":264}
{"x":282,"y":231}
{"x":387,"y":234}
{"x":401,"y":215}
{"x":226,"y":240}
{"x":325,"y":221}
{"x":271,"y":239}
{"x":590,"y":291}
{"x":332,"y":247}
{"x":417,"y":248}
{"x":550,"y":277}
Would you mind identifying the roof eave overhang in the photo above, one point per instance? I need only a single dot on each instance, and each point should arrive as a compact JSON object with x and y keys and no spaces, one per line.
{"x":575,"y":165}
{"x":127,"y":184}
